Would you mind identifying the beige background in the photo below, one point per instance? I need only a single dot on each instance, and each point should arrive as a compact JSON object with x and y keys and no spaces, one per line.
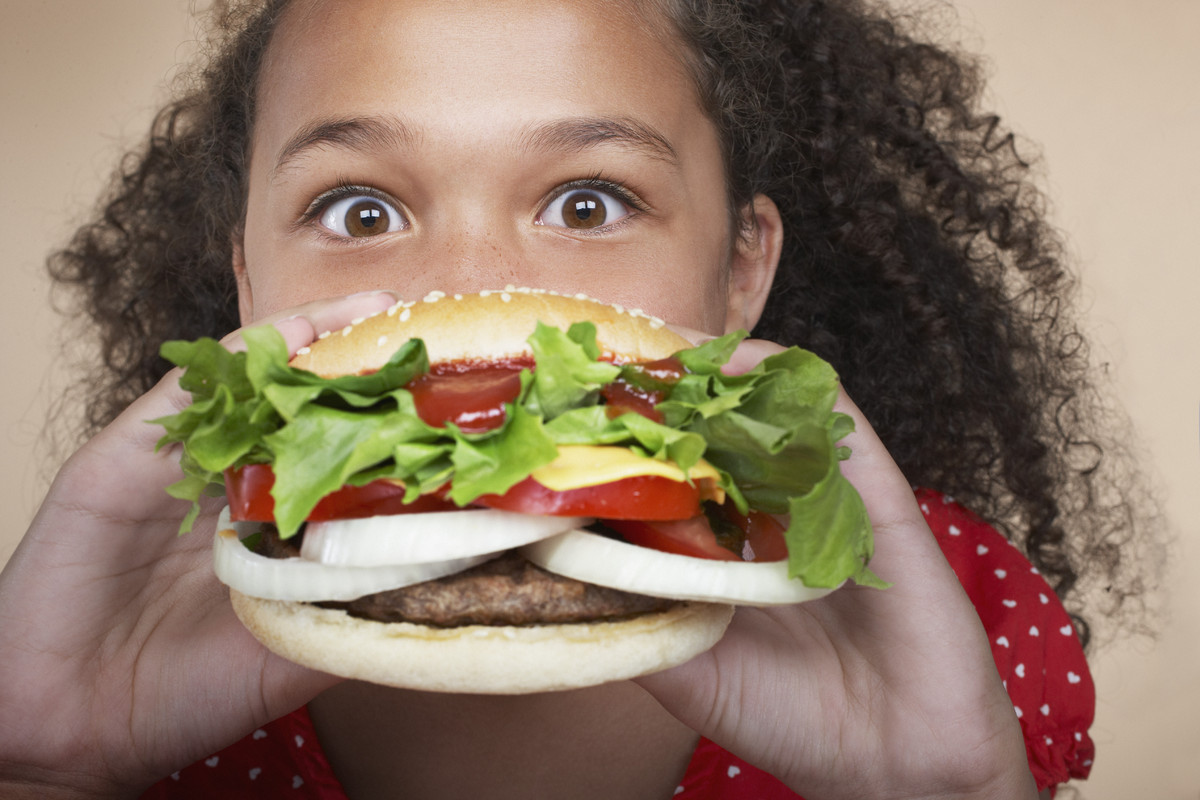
{"x":1106,"y":87}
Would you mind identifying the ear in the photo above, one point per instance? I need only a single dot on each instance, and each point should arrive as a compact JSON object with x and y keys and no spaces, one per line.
{"x":755,"y":258}
{"x":245,"y":293}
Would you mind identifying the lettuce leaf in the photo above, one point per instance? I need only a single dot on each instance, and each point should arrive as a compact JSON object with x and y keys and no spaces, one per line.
{"x":771,"y":433}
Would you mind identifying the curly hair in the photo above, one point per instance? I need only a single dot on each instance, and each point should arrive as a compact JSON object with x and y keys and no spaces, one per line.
{"x":917,"y":258}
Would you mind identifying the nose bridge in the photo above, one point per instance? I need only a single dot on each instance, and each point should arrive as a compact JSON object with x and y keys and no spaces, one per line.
{"x":473,"y":247}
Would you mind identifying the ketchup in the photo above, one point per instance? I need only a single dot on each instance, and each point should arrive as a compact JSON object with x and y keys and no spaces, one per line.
{"x":641,"y":387}
{"x":470,"y":394}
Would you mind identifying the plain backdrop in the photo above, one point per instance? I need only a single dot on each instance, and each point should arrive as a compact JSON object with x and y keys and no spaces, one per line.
{"x":1105,"y":90}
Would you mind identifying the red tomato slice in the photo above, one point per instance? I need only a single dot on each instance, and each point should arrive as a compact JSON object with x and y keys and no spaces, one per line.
{"x":764,"y":534}
{"x":685,"y":537}
{"x":639,"y":497}
{"x":248,"y":491}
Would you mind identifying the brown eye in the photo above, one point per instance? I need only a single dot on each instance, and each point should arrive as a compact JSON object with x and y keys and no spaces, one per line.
{"x":583,"y":209}
{"x":360,"y":216}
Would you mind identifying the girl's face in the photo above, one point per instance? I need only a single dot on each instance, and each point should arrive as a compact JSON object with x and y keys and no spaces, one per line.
{"x":420,"y":145}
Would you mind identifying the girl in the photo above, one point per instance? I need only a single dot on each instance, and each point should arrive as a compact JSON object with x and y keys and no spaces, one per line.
{"x":805,"y":170}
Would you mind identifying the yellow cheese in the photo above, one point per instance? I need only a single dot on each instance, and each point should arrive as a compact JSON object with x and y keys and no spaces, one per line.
{"x":578,"y":466}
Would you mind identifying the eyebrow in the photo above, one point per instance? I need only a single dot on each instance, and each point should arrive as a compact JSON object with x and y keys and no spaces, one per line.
{"x":573,"y":135}
{"x":584,"y":133}
{"x":351,"y":133}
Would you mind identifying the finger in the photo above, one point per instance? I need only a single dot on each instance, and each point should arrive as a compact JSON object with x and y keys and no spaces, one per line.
{"x":302,"y":325}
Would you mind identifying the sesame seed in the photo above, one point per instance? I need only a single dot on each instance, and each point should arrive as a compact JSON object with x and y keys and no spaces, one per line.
{"x":382,"y":341}
{"x":303,"y":351}
{"x":405,"y":314}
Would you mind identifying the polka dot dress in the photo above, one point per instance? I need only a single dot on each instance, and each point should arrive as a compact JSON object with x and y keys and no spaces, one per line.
{"x":1033,"y":642}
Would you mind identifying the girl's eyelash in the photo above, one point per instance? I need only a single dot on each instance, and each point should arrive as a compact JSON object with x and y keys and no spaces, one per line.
{"x":602,"y":184}
{"x":331,"y":196}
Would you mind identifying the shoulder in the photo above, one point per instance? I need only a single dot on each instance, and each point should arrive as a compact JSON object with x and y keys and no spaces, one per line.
{"x":1033,"y":640}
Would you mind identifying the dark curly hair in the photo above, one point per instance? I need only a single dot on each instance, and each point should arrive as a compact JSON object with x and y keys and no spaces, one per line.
{"x":917,"y":259}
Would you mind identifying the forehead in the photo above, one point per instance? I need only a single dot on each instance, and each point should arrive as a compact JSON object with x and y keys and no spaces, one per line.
{"x":474,"y":59}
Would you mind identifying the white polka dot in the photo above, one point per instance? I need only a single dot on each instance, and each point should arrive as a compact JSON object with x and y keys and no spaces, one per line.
{"x":299,"y":740}
{"x":1073,"y":678}
{"x":254,"y":773}
{"x":1020,"y":713}
{"x":259,"y":734}
{"x":678,"y":790}
{"x":981,"y":550}
{"x":1002,"y":641}
{"x":1049,"y":741}
{"x":1034,"y":570}
{"x":1043,"y":598}
{"x":1078,"y":736}
{"x":924,"y":508}
{"x":212,"y":762}
{"x":1066,"y":630}
{"x":174,"y":776}
{"x":1009,"y":603}
{"x":1001,"y":574}
{"x":1020,"y":670}
{"x":297,"y":781}
{"x":733,"y":771}
{"x":1087,"y":762}
{"x":1045,"y":709}
{"x":955,"y":530}
{"x":1033,"y":631}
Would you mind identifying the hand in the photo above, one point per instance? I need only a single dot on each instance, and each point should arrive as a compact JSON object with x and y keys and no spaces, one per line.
{"x":865,"y":692}
{"x":120,"y":658}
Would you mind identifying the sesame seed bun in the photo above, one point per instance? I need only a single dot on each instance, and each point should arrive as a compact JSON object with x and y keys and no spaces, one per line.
{"x":488,"y":325}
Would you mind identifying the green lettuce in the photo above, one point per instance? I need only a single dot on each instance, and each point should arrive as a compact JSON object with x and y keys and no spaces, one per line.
{"x":771,"y":433}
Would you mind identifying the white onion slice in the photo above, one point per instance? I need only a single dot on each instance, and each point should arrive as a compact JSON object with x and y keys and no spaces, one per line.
{"x":593,"y":558}
{"x":296,"y":579}
{"x":422,"y":538}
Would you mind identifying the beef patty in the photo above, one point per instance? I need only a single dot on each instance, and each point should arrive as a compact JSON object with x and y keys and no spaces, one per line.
{"x":507,"y":590}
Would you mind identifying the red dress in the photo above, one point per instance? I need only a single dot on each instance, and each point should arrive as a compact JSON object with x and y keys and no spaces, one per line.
{"x":1033,"y":643}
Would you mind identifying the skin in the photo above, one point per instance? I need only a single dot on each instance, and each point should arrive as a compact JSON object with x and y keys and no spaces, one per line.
{"x":861,"y":694}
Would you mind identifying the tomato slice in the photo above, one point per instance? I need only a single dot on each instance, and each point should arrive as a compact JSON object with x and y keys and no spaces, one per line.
{"x":248,"y":491}
{"x":640,"y":497}
{"x":685,"y":537}
{"x":764,"y":534}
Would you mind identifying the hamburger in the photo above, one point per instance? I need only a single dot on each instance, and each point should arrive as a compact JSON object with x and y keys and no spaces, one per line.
{"x":512,"y":491}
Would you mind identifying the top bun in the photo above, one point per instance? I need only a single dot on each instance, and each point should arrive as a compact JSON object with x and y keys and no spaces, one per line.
{"x":488,"y":325}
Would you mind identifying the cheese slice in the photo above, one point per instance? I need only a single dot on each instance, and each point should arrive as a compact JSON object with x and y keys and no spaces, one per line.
{"x":578,"y":466}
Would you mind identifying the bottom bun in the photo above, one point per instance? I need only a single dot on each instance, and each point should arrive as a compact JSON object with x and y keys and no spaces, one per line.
{"x":477,"y":658}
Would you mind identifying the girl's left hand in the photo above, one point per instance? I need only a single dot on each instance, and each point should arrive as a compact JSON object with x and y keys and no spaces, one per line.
{"x":865,"y":692}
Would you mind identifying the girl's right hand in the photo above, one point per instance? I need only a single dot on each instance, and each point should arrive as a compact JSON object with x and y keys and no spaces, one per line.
{"x":120,"y":657}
